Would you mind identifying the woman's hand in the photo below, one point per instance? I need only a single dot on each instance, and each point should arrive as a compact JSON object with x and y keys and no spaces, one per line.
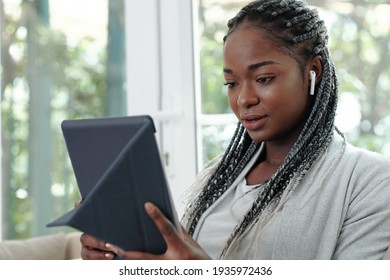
{"x":91,"y":247}
{"x":180,"y":245}
{"x":94,"y":249}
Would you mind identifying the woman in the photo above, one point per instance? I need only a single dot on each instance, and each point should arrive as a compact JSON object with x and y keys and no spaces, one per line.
{"x":288,"y":186}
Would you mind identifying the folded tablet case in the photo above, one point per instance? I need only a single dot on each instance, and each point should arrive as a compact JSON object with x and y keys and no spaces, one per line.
{"x":118,"y":168}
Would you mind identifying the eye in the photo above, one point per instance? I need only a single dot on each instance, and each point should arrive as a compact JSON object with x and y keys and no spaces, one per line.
{"x":230,"y":84}
{"x":265,"y":80}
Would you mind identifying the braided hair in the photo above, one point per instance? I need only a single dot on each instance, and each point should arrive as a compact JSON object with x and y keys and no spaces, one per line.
{"x":298,"y":31}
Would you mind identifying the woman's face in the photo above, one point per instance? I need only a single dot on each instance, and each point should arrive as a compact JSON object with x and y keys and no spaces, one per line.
{"x":265,"y":87}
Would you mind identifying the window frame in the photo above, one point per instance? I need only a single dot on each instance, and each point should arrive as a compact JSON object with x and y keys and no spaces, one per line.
{"x":162,"y":82}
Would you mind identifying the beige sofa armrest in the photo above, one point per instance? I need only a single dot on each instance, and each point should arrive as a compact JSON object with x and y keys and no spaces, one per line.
{"x":73,"y":246}
{"x":48,"y":247}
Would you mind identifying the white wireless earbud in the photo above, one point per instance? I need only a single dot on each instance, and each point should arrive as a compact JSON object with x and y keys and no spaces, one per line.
{"x":312,"y":81}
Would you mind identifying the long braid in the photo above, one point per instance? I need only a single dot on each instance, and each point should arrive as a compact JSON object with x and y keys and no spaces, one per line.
{"x":298,"y":31}
{"x":240,"y":150}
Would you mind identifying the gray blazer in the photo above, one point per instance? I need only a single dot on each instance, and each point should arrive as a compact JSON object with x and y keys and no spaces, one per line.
{"x":340,"y":210}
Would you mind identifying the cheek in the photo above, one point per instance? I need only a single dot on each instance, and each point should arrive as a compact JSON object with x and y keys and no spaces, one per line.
{"x":289,"y":102}
{"x":293,"y":109}
{"x":294,"y":93}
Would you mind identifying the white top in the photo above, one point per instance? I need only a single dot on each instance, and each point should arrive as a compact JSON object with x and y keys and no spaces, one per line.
{"x":340,"y":210}
{"x":225,"y":216}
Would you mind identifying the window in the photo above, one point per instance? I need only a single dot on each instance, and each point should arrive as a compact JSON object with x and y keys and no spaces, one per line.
{"x":57,"y":62}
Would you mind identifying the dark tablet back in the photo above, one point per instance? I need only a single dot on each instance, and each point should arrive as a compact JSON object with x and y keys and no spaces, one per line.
{"x":118,"y":168}
{"x":94,"y":144}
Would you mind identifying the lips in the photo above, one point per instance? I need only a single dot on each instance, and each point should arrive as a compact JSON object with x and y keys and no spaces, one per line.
{"x":253,"y":122}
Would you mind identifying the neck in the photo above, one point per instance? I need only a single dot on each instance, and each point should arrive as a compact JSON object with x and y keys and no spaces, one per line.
{"x":276,"y":152}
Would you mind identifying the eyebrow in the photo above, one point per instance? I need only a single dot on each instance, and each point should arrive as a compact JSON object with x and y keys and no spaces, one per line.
{"x":252,"y":66}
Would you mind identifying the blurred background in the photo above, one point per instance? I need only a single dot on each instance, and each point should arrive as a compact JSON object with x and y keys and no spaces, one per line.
{"x":92,"y":58}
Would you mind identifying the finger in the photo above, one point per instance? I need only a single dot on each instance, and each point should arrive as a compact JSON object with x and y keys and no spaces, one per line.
{"x":131,"y":255}
{"x":78,"y":203}
{"x":90,"y":241}
{"x":166,"y":228}
{"x":116,"y":250}
{"x":92,"y":254}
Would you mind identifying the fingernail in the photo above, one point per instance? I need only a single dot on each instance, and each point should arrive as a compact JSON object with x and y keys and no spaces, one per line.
{"x":148,"y":206}
{"x":108,"y":256}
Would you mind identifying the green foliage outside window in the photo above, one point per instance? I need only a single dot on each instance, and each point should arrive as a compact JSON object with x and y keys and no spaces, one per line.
{"x":46,"y":78}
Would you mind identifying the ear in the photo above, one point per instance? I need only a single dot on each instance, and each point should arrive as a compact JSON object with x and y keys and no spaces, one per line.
{"x":316,"y":66}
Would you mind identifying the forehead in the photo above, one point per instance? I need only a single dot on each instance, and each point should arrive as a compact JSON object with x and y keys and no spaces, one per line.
{"x":247,"y":38}
{"x":248,"y":44}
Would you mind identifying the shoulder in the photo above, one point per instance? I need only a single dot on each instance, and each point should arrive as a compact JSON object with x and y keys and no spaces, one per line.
{"x":365,"y":232}
{"x":359,"y":160}
{"x":356,"y":170}
{"x":366,"y":176}
{"x":365,"y":157}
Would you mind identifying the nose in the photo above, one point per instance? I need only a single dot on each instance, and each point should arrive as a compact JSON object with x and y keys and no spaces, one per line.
{"x":247,"y":97}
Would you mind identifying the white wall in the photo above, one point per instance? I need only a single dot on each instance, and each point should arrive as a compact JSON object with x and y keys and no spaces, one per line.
{"x":161,"y":81}
{"x":1,"y":156}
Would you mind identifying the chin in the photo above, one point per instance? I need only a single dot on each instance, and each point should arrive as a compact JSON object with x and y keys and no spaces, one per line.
{"x":256,"y":137}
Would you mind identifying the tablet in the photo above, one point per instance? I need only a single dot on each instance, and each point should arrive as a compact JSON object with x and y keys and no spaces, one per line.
{"x":118,"y":168}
